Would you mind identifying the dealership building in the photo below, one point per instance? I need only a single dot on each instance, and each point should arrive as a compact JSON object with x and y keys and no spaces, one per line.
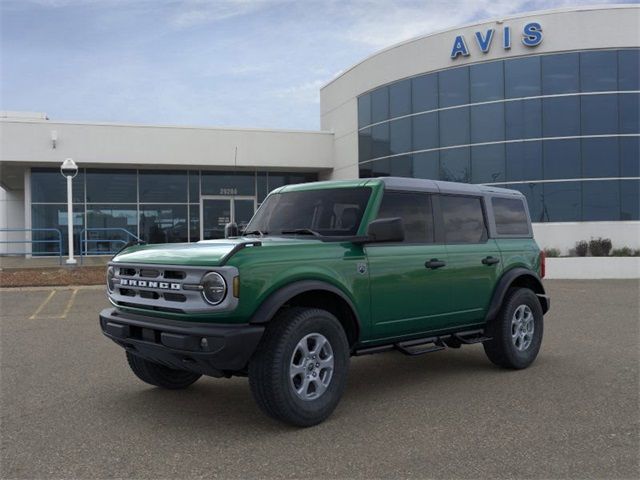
{"x":546,"y":103}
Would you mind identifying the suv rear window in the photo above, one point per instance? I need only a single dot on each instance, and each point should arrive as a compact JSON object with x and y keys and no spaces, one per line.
{"x":510,"y":215}
{"x":463,"y":219}
{"x":415,"y":211}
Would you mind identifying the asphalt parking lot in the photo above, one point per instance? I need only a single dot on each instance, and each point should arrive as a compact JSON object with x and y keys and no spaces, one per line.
{"x":72,"y":409}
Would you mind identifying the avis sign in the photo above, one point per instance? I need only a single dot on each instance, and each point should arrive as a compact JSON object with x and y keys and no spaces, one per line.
{"x":531,"y":37}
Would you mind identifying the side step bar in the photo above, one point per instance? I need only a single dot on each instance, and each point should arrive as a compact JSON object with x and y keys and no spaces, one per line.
{"x":421,"y":346}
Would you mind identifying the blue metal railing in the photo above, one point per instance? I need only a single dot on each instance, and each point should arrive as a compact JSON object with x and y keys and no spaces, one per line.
{"x":118,"y":243}
{"x":57,"y":241}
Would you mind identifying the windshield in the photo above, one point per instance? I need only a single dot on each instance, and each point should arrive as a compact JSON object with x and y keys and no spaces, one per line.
{"x":328,"y":212}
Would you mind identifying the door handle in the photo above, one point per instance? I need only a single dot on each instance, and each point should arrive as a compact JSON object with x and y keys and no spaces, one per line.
{"x":490,"y":260}
{"x":434,"y":263}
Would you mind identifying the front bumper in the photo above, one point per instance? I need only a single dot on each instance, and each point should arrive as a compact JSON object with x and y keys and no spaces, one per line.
{"x":209,"y":349}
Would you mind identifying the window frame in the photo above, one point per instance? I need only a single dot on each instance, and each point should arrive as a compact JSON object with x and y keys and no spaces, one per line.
{"x":524,"y":202}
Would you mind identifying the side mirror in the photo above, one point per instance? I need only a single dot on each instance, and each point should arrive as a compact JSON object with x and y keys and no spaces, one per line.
{"x":386,"y":230}
{"x":231,"y":230}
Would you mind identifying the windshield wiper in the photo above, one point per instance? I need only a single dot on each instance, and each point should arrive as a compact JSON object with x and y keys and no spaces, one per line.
{"x":302,"y":231}
{"x":255,"y":232}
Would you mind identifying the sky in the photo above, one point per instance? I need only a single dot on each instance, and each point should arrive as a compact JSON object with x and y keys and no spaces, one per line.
{"x":242,"y":63}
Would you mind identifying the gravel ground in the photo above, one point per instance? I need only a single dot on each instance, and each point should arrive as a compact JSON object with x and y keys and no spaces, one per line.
{"x":72,"y":409}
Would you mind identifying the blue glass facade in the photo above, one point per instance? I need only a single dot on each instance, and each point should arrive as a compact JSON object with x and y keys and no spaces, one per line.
{"x":561,"y":128}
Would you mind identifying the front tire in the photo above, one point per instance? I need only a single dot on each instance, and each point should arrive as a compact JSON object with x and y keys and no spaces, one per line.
{"x":159,"y":375}
{"x":299,"y":371}
{"x":516,"y":332}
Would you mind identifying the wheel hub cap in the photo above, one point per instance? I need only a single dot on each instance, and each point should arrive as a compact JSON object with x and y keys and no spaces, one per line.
{"x":522,"y":327}
{"x":311,"y":366}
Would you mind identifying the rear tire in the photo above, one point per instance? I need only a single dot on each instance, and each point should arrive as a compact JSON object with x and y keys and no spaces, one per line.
{"x":299,"y":370}
{"x":516,"y":332}
{"x":159,"y":375}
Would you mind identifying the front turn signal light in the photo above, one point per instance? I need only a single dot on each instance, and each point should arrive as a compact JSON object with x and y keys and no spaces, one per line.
{"x":236,"y":287}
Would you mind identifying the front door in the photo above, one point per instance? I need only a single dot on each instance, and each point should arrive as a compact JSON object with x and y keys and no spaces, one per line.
{"x":217,"y":211}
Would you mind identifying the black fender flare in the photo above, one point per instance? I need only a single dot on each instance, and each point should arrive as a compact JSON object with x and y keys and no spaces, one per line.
{"x":277,"y":299}
{"x":507,"y":280}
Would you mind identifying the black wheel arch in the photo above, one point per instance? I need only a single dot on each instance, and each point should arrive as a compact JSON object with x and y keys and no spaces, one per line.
{"x":517,"y":277}
{"x":313,"y":294}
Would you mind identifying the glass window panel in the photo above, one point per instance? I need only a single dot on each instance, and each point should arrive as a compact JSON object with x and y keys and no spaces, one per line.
{"x":510,"y":215}
{"x":279,"y":179}
{"x":400,"y":98}
{"x":562,"y":202}
{"x":524,"y":161}
{"x":522,"y":77}
{"x":380,"y":140}
{"x":400,"y":135}
{"x":630,"y":200}
{"x":380,"y":105}
{"x":163,"y":186}
{"x":600,"y":157}
{"x":194,"y":186}
{"x":364,"y":170}
{"x":560,"y":73}
{"x":262,"y":186}
{"x":629,"y":112}
{"x":381,"y":168}
{"x":487,"y":123}
{"x":194,"y":223}
{"x":454,"y":87}
{"x":111,"y":186}
{"x":116,"y":220}
{"x":463,"y":219}
{"x":487,"y":81}
{"x":426,"y":165}
{"x":49,"y":186}
{"x":630,"y":156}
{"x":424,"y":93}
{"x":533,"y":194}
{"x":365,"y":145}
{"x":454,"y":127}
{"x":425,"y":131}
{"x":455,"y":165}
{"x":52,"y":216}
{"x":163,"y":223}
{"x":629,"y":69}
{"x":599,"y":114}
{"x":600,"y":200}
{"x":487,"y":164}
{"x":561,"y":116}
{"x":599,"y":71}
{"x":415,"y":211}
{"x":364,"y":110}
{"x":561,"y":159}
{"x":400,"y":166}
{"x":523,"y":119}
{"x":228,"y":183}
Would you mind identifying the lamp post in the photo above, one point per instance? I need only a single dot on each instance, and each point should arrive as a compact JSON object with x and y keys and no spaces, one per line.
{"x":69,"y":169}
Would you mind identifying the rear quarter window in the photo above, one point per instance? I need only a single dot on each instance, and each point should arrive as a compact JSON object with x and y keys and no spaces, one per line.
{"x":510,"y":215}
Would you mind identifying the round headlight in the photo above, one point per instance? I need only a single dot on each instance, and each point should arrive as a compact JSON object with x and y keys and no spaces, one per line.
{"x":214,"y":288}
{"x":111,"y":272}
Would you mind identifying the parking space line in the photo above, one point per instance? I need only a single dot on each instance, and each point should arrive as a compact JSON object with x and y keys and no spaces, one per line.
{"x":42,"y":305}
{"x":69,"y":303}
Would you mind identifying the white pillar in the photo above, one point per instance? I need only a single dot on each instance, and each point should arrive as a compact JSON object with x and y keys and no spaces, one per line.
{"x":70,"y":260}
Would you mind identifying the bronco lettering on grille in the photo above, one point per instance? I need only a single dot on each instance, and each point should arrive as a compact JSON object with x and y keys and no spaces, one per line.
{"x":147,"y":284}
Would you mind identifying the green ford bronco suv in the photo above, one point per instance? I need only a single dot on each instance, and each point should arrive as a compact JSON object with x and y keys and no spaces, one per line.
{"x":325,"y":271}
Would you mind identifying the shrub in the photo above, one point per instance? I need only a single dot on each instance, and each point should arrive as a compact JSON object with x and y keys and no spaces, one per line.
{"x":552,"y":252}
{"x":622,"y":252}
{"x":600,"y":247}
{"x":582,"y":248}
{"x":636,"y":253}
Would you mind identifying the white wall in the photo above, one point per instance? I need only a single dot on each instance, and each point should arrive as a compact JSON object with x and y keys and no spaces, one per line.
{"x":11,"y":216}
{"x":24,"y":140}
{"x":589,"y":268}
{"x":565,"y":235}
{"x":565,"y":30}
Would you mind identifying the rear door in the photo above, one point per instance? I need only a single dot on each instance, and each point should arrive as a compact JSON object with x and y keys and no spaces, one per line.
{"x":474,"y":261}
{"x":407,"y":297}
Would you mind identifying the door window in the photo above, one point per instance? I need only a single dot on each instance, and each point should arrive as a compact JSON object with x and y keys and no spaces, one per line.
{"x":463,"y":219}
{"x":415,"y":211}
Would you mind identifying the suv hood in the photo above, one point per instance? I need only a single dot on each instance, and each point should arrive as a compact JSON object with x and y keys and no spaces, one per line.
{"x":204,"y":253}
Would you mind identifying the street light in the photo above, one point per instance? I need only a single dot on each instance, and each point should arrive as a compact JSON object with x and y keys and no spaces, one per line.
{"x":69,"y":169}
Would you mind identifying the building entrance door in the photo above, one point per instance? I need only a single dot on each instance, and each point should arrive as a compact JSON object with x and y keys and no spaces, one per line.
{"x":216,"y":211}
